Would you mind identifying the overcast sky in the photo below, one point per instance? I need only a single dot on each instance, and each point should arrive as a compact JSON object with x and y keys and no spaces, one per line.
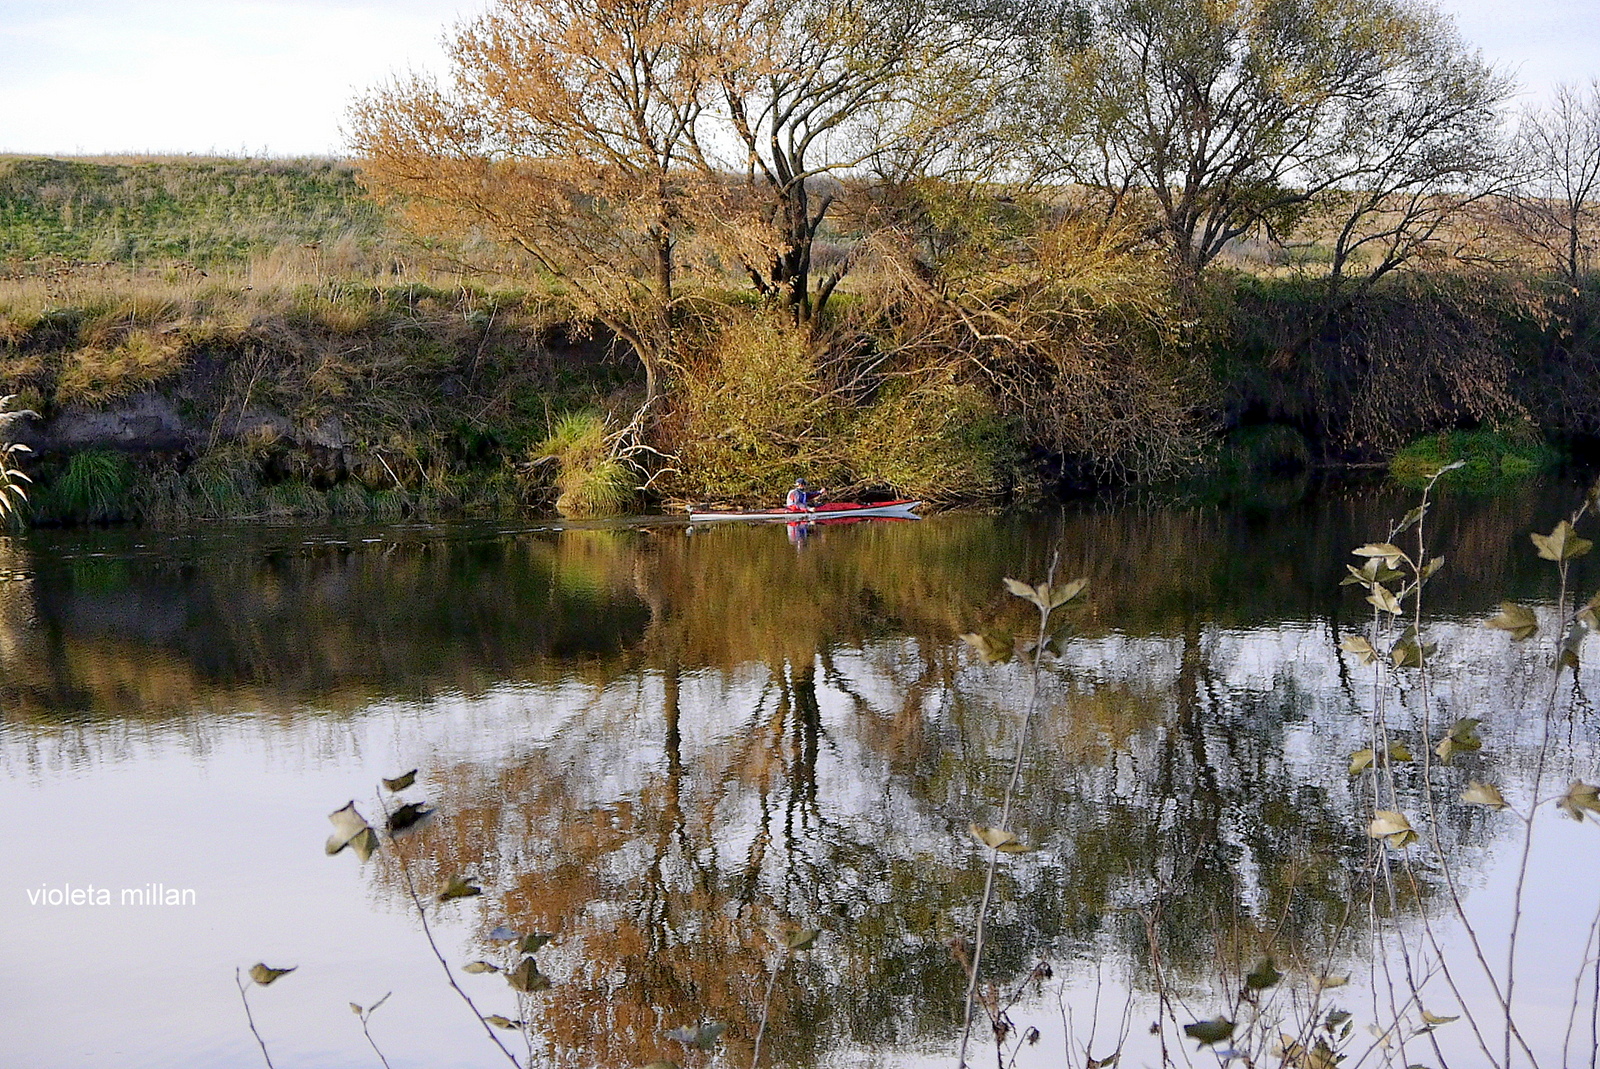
{"x":274,"y":76}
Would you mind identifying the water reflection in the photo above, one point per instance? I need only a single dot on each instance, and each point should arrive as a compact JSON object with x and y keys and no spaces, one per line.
{"x":683,"y":744}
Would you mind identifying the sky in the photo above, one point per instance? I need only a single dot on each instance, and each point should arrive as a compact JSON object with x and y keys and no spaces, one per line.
{"x":273,"y":77}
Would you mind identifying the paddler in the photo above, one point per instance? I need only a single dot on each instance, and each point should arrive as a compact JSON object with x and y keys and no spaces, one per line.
{"x":801,"y":497}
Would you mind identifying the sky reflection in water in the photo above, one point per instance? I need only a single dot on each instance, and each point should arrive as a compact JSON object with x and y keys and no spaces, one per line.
{"x":664,"y":747}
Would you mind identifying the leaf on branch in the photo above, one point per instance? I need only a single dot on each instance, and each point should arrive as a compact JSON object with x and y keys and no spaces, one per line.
{"x":993,"y":648}
{"x":1516,"y":619}
{"x":407,"y":815}
{"x":1399,"y":751}
{"x":534,"y":942}
{"x":803,"y":939}
{"x":1391,"y":555}
{"x":1263,"y":976}
{"x":703,"y":1037}
{"x":1209,"y":1032}
{"x":1589,"y":615}
{"x":1360,"y":760}
{"x":503,"y":1022}
{"x":1581,"y":798}
{"x":1027,"y":592}
{"x":479,"y":967}
{"x":1411,"y":518}
{"x":1407,"y":653}
{"x":1433,"y":565}
{"x":266,"y":974}
{"x":1393,"y":828}
{"x":1327,"y":983}
{"x":1462,"y":737}
{"x":527,"y":978}
{"x":1561,"y":544}
{"x":1102,"y":1063}
{"x":1359,"y":646}
{"x":1004,"y":841}
{"x":459,"y":887}
{"x":1384,"y":599}
{"x":1059,"y":596}
{"x":401,"y":782}
{"x":1435,"y":1019}
{"x":1483,"y":794}
{"x":350,"y":828}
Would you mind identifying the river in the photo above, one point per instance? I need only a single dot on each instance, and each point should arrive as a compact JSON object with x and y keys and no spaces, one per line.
{"x":672,"y":749}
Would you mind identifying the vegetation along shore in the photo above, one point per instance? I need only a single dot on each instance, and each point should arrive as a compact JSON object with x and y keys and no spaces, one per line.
{"x":629,"y":254}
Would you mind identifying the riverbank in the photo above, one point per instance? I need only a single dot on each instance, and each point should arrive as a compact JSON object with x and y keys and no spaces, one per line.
{"x":319,"y":362}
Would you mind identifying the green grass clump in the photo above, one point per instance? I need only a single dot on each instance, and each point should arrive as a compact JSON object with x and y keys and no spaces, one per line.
{"x":1491,"y":458}
{"x":95,"y":487}
{"x":590,"y":481}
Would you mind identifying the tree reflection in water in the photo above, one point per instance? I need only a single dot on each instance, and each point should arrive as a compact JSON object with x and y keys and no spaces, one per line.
{"x":727,"y":741}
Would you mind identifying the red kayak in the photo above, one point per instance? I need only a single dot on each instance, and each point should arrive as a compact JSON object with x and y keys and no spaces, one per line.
{"x":900,"y":510}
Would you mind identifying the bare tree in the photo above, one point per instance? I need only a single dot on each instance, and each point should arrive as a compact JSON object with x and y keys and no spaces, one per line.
{"x":1554,"y":208}
{"x":1220,"y":120}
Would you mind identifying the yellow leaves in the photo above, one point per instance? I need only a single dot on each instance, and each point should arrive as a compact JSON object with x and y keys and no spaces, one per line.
{"x":351,"y":829}
{"x":1398,"y":751}
{"x":1580,"y":800}
{"x":998,"y":839}
{"x":265,"y":974}
{"x":802,"y":939}
{"x":1383,"y":598}
{"x":1462,"y":737}
{"x":1561,"y":544}
{"x":459,"y":887}
{"x":1392,"y":827}
{"x":1045,"y":595}
{"x":1391,"y":555}
{"x":1483,"y":794}
{"x":1515,"y":619}
{"x":1359,"y":646}
{"x":992,"y":647}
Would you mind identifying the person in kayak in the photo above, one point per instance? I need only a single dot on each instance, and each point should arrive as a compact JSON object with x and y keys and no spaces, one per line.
{"x":801,"y":497}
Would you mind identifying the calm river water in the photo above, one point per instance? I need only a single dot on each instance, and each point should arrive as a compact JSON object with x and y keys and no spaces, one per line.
{"x":670,"y":748}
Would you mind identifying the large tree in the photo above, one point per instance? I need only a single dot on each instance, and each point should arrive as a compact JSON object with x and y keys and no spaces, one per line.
{"x":1218,"y":120}
{"x":563,"y":131}
{"x":813,"y":94}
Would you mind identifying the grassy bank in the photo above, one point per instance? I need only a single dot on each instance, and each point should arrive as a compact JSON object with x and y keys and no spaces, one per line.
{"x":256,"y":338}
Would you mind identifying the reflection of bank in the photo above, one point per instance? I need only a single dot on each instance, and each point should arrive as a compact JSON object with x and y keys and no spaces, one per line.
{"x":16,"y":604}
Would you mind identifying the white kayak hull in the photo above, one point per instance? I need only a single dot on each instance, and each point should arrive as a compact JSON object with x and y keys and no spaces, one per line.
{"x":899,"y":510}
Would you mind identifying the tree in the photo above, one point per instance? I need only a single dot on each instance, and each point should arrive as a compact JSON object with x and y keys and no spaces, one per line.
{"x":813,"y":91}
{"x":1218,"y":120}
{"x":1554,"y":207}
{"x":563,"y":131}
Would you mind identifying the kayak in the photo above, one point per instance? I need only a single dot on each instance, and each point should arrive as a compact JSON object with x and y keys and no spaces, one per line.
{"x":900,"y":510}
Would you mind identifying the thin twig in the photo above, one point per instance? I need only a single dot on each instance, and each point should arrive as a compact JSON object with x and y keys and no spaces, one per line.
{"x":427,"y":933}
{"x":238,"y":979}
{"x":1005,"y":816}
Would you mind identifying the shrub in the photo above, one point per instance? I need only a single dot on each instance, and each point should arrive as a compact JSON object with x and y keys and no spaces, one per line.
{"x":1492,"y":457}
{"x":590,"y":480}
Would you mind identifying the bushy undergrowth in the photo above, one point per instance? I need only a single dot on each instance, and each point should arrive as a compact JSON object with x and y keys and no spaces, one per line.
{"x":1418,"y":355}
{"x":769,"y":402}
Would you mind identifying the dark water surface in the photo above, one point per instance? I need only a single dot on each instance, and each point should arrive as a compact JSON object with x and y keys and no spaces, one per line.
{"x":664,"y":747}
